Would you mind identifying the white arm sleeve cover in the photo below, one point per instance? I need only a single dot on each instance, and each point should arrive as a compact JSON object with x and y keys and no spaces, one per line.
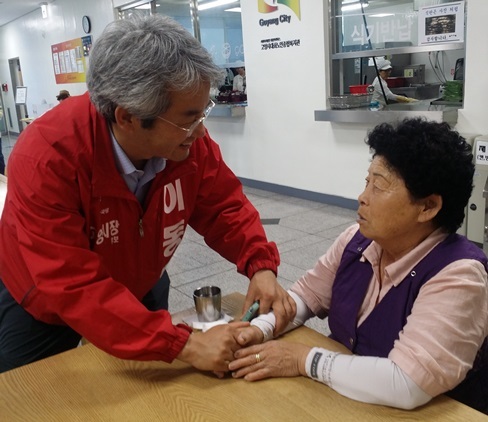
{"x":365,"y":378}
{"x":267,"y":322}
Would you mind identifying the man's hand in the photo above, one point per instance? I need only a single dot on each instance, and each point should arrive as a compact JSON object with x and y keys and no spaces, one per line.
{"x":214,"y":349}
{"x":265,"y":288}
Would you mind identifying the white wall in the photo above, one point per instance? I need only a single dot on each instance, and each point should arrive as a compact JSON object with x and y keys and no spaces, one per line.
{"x":30,"y":38}
{"x":278,"y":141}
{"x":474,"y":116}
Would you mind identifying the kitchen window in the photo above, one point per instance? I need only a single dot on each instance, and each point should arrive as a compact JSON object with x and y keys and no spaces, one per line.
{"x":423,"y":39}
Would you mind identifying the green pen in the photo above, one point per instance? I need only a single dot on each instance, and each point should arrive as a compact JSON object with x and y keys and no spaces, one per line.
{"x":251,"y":312}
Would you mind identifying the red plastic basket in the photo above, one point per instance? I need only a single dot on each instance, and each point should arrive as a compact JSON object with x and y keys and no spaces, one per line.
{"x":358,"y":89}
{"x":395,"y":82}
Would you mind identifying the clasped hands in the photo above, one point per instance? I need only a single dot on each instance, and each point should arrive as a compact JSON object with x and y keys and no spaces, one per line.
{"x":237,"y":348}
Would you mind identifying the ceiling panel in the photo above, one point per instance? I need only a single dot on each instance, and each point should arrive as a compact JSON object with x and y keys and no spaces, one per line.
{"x":13,"y":9}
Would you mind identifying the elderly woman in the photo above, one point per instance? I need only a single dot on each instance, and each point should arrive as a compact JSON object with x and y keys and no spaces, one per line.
{"x":402,"y":291}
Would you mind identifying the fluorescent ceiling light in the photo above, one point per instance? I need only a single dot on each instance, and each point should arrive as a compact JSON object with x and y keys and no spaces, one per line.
{"x":381,"y":15}
{"x":234,"y":9}
{"x":142,"y":4}
{"x":215,"y":3}
{"x":44,"y":10}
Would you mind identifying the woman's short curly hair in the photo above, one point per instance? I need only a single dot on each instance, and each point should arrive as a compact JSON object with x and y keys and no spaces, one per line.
{"x":431,"y":158}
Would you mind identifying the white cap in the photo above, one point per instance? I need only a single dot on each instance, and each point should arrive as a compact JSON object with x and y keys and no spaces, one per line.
{"x":383,"y":64}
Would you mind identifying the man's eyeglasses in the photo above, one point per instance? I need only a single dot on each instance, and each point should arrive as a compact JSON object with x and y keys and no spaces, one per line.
{"x":189,"y":131}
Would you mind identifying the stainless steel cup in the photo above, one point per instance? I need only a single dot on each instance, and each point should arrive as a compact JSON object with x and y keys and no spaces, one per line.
{"x":208,"y":302}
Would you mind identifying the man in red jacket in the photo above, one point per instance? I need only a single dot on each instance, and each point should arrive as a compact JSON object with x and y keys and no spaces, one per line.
{"x":100,"y":192}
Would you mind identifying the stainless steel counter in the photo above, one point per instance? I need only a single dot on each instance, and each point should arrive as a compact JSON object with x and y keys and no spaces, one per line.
{"x":229,"y":110}
{"x":391,"y":113}
{"x":420,"y":92}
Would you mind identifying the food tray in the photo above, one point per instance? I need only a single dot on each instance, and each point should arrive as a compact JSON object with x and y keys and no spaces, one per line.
{"x":342,"y":102}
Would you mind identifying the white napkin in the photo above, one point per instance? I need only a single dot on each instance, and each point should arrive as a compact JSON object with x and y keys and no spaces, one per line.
{"x":192,"y":321}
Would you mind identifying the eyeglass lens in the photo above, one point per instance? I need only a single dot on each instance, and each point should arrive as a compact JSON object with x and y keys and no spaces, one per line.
{"x":206,"y":112}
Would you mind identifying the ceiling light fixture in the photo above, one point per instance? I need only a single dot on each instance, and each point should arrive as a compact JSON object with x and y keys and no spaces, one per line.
{"x":381,"y":15}
{"x":215,"y":3}
{"x":141,"y":4}
{"x":44,"y":10}
{"x":234,"y":9}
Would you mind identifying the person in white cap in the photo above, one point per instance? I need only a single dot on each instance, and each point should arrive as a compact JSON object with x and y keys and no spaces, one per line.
{"x":384,"y":69}
{"x":239,"y":82}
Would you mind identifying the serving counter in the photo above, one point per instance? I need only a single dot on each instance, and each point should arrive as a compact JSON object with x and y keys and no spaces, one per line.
{"x":229,"y":110}
{"x":391,"y":113}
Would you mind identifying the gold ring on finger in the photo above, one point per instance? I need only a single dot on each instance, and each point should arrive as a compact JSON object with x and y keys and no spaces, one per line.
{"x":258,"y":358}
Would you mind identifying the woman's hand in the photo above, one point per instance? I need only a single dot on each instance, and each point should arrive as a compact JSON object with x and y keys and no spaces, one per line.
{"x":270,"y":360}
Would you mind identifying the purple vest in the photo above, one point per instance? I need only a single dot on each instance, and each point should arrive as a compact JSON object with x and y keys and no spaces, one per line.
{"x":376,"y":335}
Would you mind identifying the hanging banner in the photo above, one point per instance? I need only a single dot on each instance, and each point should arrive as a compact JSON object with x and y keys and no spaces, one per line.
{"x":21,"y":95}
{"x":279,"y":23}
{"x":442,"y":23}
{"x":69,"y":60}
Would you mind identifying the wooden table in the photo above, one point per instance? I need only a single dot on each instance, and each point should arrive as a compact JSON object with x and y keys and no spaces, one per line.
{"x":86,"y":384}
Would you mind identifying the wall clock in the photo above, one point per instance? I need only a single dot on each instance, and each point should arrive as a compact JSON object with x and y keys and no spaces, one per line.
{"x":86,"y":23}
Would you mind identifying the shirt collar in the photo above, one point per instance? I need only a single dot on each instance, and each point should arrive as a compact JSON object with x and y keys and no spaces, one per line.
{"x":125,"y":165}
{"x":398,"y":270}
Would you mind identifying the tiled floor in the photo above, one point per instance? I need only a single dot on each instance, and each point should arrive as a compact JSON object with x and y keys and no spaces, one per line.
{"x":304,"y":232}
